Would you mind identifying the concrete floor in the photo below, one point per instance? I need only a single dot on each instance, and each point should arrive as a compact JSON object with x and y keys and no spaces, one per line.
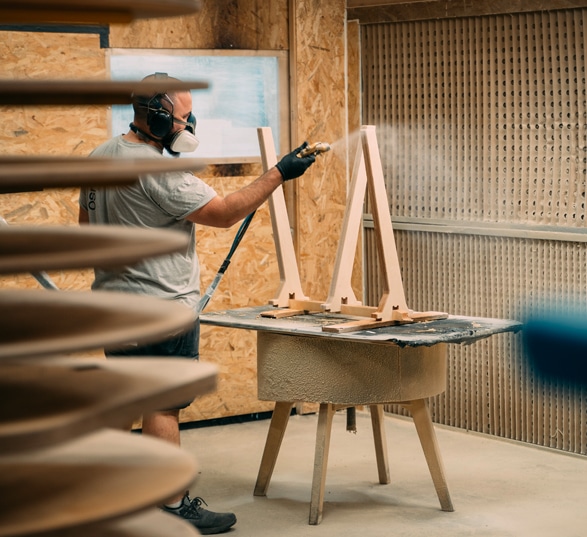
{"x":499,"y":488}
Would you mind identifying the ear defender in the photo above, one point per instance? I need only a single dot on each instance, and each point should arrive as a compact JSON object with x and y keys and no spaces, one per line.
{"x":159,"y":120}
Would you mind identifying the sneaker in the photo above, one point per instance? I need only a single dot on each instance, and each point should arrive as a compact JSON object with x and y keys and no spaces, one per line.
{"x":206,"y":522}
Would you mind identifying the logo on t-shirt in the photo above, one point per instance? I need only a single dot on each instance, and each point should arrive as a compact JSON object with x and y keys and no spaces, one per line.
{"x":92,"y":200}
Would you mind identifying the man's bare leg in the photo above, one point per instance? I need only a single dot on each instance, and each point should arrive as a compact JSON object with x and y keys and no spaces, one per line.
{"x":165,"y":426}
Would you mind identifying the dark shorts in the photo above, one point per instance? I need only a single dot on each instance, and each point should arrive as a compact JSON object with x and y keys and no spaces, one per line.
{"x":185,"y":345}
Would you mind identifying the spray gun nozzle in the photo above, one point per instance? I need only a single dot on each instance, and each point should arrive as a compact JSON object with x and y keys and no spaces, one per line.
{"x":314,"y":149}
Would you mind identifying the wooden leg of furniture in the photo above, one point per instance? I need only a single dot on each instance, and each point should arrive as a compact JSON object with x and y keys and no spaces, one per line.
{"x":279,"y":421}
{"x":421,"y":416}
{"x":321,"y":461}
{"x":380,"y":443}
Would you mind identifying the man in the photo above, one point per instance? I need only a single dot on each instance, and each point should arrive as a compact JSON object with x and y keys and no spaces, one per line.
{"x":176,"y":200}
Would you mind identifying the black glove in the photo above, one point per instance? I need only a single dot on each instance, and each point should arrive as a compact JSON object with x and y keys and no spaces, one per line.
{"x":292,"y":166}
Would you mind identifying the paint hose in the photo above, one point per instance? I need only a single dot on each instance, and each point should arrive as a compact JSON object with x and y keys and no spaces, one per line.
{"x":212,"y":287}
{"x":41,"y":277}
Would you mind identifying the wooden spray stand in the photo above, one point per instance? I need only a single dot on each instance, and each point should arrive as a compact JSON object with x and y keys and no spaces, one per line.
{"x":392,"y":308}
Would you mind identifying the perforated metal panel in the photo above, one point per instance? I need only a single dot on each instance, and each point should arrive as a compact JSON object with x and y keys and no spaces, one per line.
{"x":482,"y":124}
{"x":482,"y":118}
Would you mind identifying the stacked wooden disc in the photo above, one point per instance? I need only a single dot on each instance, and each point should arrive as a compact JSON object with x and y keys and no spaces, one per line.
{"x":59,"y":453}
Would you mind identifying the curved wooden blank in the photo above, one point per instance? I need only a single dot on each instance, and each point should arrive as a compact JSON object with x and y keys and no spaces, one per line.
{"x":22,"y":173}
{"x":43,"y":323}
{"x":55,"y":400}
{"x":99,"y":477}
{"x":36,"y":248}
{"x":92,"y":11}
{"x":152,"y":523}
{"x":100,"y":92}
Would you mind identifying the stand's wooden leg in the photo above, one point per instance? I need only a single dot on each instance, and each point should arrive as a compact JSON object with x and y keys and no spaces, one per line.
{"x":380,"y":443}
{"x":321,"y":461}
{"x":279,"y":421}
{"x":419,"y":411}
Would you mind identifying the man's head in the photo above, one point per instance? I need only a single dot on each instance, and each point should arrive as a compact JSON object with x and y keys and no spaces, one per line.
{"x":166,"y":118}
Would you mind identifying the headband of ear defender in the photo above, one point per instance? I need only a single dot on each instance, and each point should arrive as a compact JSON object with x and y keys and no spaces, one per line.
{"x":159,"y":120}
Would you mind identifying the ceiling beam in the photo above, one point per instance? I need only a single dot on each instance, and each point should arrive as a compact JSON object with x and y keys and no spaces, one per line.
{"x":375,"y":11}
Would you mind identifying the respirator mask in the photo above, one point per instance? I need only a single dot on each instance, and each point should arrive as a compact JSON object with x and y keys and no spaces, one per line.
{"x":183,"y":141}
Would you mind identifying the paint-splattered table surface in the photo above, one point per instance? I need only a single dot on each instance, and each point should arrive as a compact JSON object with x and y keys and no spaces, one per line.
{"x":454,"y":329}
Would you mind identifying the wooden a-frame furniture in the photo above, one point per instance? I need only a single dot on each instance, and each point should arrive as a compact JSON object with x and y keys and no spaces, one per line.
{"x":392,"y":308}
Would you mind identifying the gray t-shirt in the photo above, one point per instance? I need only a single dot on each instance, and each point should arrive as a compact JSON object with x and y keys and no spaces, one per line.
{"x":155,"y":201}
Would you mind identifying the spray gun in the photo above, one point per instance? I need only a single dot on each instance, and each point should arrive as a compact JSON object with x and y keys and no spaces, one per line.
{"x":315,"y":149}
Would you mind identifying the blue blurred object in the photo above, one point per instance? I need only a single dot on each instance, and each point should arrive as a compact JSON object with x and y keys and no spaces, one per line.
{"x":556,"y":346}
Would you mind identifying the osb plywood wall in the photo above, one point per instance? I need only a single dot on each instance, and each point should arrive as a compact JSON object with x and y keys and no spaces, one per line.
{"x":318,"y":37}
{"x":318,"y":114}
{"x":482,"y":121}
{"x":49,"y":130}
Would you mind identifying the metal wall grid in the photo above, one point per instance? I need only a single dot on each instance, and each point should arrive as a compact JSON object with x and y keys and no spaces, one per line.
{"x":482,"y":126}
